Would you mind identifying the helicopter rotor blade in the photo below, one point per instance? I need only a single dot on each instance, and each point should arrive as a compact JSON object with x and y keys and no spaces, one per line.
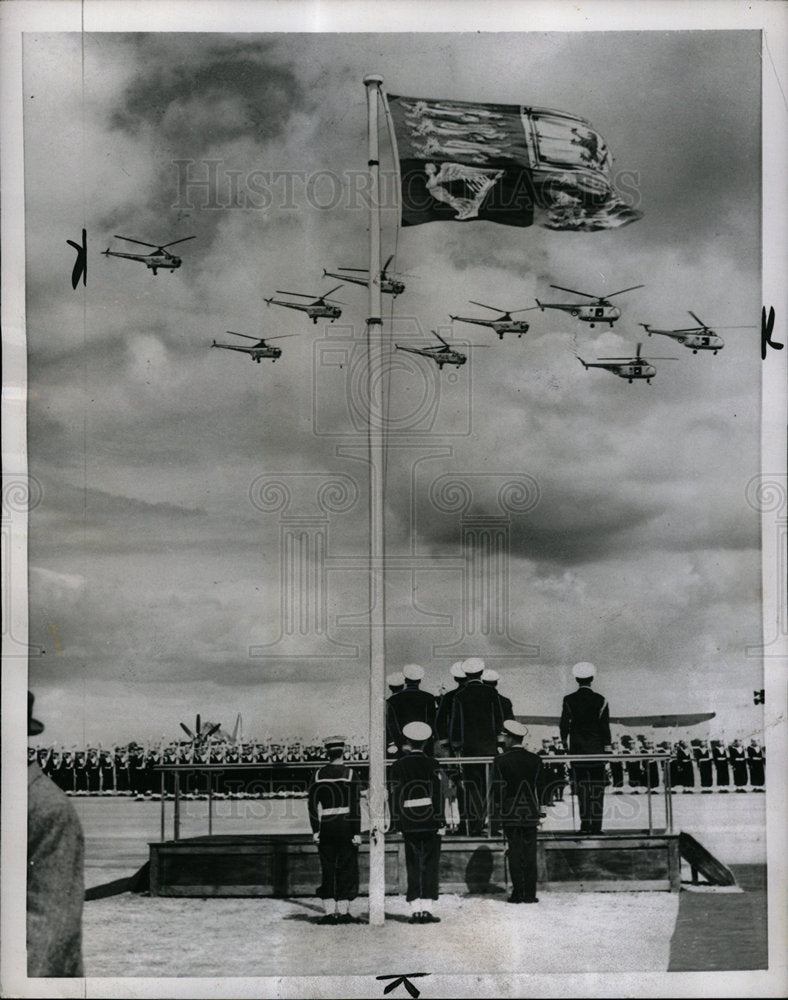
{"x":247,"y":335}
{"x":330,"y":291}
{"x":142,"y":243}
{"x":386,"y":265}
{"x":698,"y":319}
{"x":302,"y":295}
{"x":183,"y":240}
{"x":365,"y":270}
{"x":494,"y":308}
{"x":621,"y":292}
{"x":574,"y":291}
{"x":444,"y":342}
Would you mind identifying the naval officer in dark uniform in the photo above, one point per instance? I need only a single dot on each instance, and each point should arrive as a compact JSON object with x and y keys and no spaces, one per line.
{"x":585,"y":729}
{"x":411,"y":704}
{"x":477,"y":718}
{"x":417,"y":812}
{"x":335,"y":817}
{"x":516,"y":794}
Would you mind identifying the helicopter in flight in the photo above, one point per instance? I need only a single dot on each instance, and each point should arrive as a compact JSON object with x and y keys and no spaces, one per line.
{"x":442,"y":354}
{"x":697,"y":338}
{"x":256,"y":351}
{"x":629,"y":368}
{"x":160,"y":258}
{"x":320,"y":306}
{"x":598,"y":311}
{"x":501,"y":324}
{"x":388,"y":285}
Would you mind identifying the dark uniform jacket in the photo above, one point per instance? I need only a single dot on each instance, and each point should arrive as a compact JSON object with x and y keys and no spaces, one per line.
{"x":334,"y":802}
{"x":443,"y":717}
{"x":55,"y":880}
{"x":516,"y":784}
{"x":409,"y":705}
{"x":585,"y":721}
{"x":416,"y":799}
{"x":477,"y":718}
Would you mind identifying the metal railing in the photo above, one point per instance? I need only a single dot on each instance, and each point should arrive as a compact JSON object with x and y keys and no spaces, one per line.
{"x":449,"y":764}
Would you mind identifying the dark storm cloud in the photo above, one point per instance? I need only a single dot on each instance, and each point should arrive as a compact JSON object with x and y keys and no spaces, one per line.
{"x":186,"y":100}
{"x":191,"y":101}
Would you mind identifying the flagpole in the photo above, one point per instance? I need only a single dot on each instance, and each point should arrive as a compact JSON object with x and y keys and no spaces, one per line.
{"x":376,"y":454}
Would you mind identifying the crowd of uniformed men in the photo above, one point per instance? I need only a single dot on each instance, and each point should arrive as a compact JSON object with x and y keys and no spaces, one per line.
{"x":697,"y":765}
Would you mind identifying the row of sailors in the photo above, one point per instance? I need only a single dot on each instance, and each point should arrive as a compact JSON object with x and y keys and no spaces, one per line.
{"x":696,"y":764}
{"x":132,"y":770}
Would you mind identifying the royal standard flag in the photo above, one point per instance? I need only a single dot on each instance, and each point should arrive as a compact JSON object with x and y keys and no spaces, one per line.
{"x":506,"y":163}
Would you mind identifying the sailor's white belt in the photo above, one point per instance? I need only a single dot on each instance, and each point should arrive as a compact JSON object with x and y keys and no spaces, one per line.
{"x":412,"y":803}
{"x":336,"y":811}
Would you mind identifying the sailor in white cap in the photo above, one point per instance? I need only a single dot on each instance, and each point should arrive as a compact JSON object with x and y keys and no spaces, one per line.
{"x":517,"y":791}
{"x":417,"y":812}
{"x":585,"y":729}
{"x":335,"y":818}
{"x":396,"y":682}
{"x":476,"y":720}
{"x":491,"y":678}
{"x":409,"y":705}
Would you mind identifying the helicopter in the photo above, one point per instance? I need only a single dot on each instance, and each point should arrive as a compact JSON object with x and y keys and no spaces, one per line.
{"x":697,"y":338}
{"x":598,"y":311}
{"x":503,"y":323}
{"x":443,"y":354}
{"x":160,"y":258}
{"x":319,"y":307}
{"x":629,"y":368}
{"x":391,"y":286}
{"x":201,"y":731}
{"x":257,"y":351}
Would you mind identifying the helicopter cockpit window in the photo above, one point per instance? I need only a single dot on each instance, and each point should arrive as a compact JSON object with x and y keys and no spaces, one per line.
{"x":599,"y":311}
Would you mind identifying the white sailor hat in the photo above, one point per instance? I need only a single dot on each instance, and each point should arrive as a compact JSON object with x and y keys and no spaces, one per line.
{"x":492,"y":676}
{"x":583,"y":670}
{"x":418,"y":731}
{"x":395,"y":680}
{"x":412,"y":672}
{"x":473,"y":665}
{"x":334,"y":741}
{"x":514,"y":728}
{"x":457,"y":670}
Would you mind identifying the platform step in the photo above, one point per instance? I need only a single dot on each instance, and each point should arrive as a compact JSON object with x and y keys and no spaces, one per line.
{"x":703,"y":861}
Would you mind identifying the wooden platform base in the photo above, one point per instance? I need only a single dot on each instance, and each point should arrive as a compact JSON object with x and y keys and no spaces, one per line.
{"x":282,"y":865}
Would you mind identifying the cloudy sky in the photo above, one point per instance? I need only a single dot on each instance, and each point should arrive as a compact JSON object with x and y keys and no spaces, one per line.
{"x":165,"y":574}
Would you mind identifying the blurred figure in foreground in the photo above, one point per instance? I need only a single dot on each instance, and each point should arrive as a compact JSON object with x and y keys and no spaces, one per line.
{"x":55,"y":874}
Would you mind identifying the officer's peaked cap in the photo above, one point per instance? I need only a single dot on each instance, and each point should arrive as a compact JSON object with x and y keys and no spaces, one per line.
{"x":395,"y":680}
{"x":412,"y":672}
{"x":417,"y":731}
{"x":515,"y":728}
{"x":458,"y":670}
{"x":474,"y":665}
{"x":334,"y":741}
{"x":583,"y":670}
{"x":492,"y":676}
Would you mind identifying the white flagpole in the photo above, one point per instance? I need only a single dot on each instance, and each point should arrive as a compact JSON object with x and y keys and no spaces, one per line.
{"x":377,"y":761}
